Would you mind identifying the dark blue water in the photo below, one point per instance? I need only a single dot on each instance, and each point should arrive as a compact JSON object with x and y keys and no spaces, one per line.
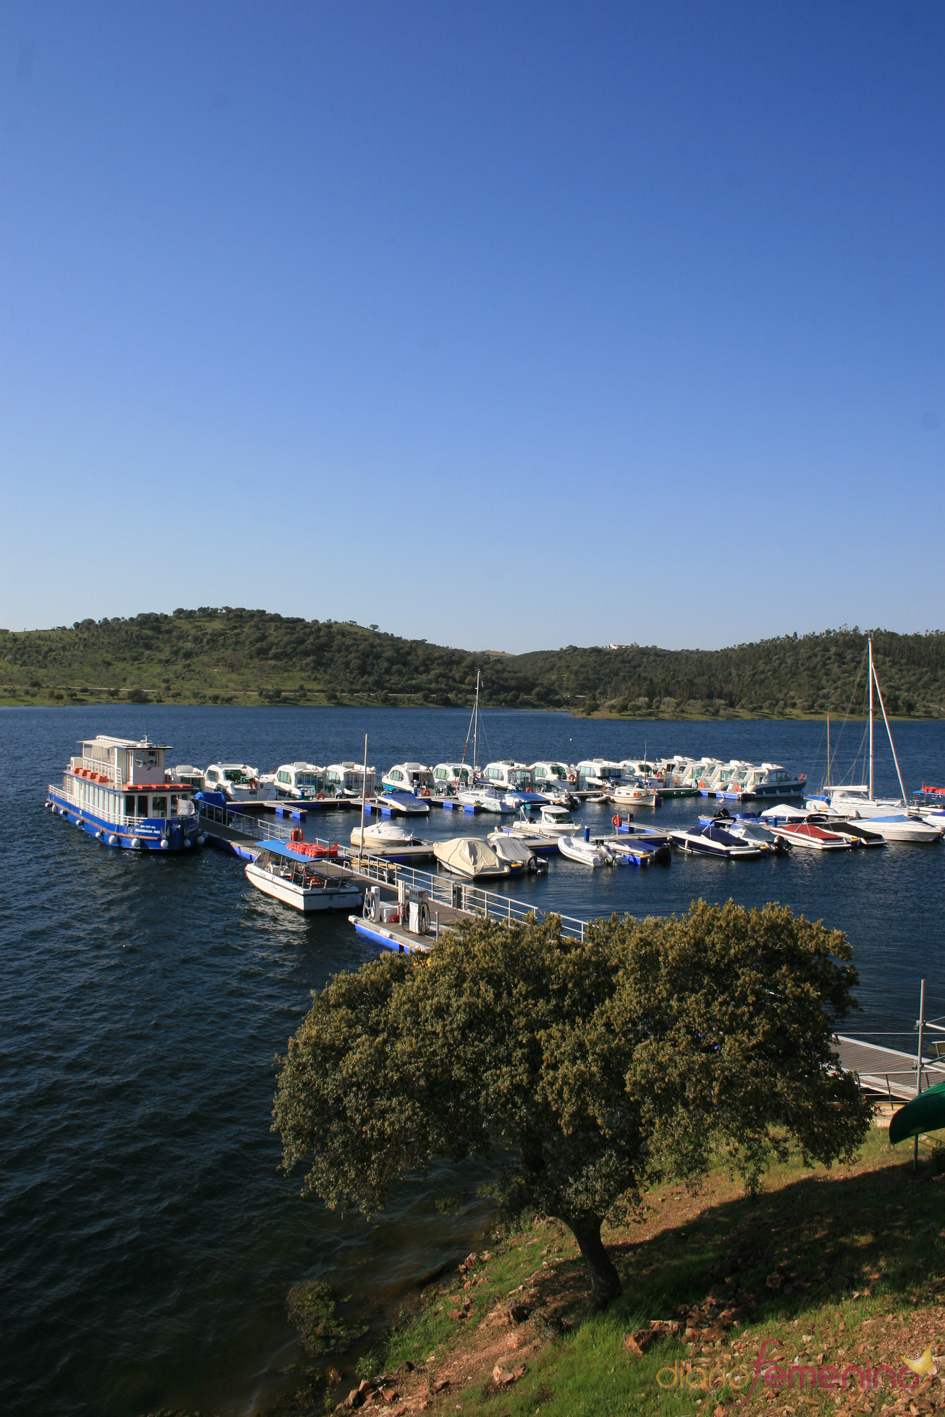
{"x":148,"y":1235}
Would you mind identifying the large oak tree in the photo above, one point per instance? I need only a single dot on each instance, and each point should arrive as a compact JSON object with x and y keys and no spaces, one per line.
{"x":584,"y":1070}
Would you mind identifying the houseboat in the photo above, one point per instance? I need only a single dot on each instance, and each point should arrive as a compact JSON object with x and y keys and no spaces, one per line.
{"x":300,"y":780}
{"x":508,"y":774}
{"x":597,"y":774}
{"x":117,"y":789}
{"x":409,"y":777}
{"x":449,"y":776}
{"x":237,"y":781}
{"x":348,"y":780}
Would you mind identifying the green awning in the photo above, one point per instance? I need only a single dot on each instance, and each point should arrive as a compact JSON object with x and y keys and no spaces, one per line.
{"x":925,"y":1113}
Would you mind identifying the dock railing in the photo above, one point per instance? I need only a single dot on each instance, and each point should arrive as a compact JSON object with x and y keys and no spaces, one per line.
{"x":252,"y":827}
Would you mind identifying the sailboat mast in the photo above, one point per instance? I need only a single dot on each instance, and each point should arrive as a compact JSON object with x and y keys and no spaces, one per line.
{"x":827,"y":783}
{"x":475,"y":730}
{"x":871,"y":718}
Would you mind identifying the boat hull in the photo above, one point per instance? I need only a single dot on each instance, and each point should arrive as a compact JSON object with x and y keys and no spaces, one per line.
{"x":305,"y":898}
{"x":148,"y":834}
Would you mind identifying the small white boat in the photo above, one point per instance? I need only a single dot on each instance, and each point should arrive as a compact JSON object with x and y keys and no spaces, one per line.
{"x":409,"y":777}
{"x":634,"y":794}
{"x":277,"y":873}
{"x":516,"y":852}
{"x":547,"y":821}
{"x":587,"y":853}
{"x":471,"y":857}
{"x":635,"y":851}
{"x":816,"y":838}
{"x":391,"y":841}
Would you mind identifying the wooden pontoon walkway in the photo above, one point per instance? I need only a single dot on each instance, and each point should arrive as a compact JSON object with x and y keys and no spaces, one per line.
{"x":886,"y":1070}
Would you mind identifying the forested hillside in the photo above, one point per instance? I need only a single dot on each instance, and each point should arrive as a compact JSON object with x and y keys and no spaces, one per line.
{"x":250,"y":656}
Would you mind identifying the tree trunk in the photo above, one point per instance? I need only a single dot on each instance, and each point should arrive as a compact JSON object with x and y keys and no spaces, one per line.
{"x":605,"y":1281}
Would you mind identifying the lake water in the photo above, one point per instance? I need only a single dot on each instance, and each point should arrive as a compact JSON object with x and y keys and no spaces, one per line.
{"x":148,"y":1236}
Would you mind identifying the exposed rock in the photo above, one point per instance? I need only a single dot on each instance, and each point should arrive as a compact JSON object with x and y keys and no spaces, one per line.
{"x":504,"y":1377}
{"x":640,"y":1341}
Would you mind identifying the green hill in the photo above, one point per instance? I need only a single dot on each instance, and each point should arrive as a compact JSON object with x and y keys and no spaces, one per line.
{"x":240,"y":656}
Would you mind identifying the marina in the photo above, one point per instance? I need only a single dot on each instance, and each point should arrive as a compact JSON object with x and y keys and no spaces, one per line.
{"x":206,"y":973}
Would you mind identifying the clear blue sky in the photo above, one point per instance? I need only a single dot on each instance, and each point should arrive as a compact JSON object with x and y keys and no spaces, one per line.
{"x":506,"y":325}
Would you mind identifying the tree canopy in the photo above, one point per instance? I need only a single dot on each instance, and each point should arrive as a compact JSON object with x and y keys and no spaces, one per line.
{"x":584,"y":1070}
{"x":233,"y":655}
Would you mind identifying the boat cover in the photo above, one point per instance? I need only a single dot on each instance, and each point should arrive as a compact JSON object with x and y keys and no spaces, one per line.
{"x":783,"y":813}
{"x":469,"y":856}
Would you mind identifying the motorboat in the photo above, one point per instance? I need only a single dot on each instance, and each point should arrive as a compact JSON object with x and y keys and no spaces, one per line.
{"x":784,"y":812}
{"x":632,"y":851}
{"x":768,"y":780}
{"x":713,"y":840}
{"x":278,"y":873}
{"x":517,"y":853}
{"x":555,"y":775}
{"x":409,"y":777}
{"x":539,"y":845}
{"x":118,"y":790}
{"x":300,"y":780}
{"x":673,"y":779}
{"x":816,"y":838}
{"x":237,"y":781}
{"x":559,"y":794}
{"x":391,"y":841}
{"x":634,"y":794}
{"x":188,"y":776}
{"x":470,"y":856}
{"x":403,"y":803}
{"x":754,"y":832}
{"x":544,"y":821}
{"x":586,"y":853}
{"x":349,"y":780}
{"x":929,"y":803}
{"x":483,"y":797}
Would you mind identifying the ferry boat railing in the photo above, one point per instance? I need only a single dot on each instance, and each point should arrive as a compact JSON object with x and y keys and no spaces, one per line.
{"x":116,"y":819}
{"x":112,"y":772}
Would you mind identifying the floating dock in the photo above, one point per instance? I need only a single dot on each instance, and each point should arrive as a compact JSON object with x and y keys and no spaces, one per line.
{"x":887,"y":1071}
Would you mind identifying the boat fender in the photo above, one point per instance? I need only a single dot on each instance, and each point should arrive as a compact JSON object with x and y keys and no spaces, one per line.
{"x":113,"y":840}
{"x":165,"y":844}
{"x":136,"y":843}
{"x":79,"y":822}
{"x":200,"y":840}
{"x":187,"y":841}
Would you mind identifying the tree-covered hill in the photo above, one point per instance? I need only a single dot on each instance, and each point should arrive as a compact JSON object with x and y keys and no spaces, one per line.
{"x":251,"y":656}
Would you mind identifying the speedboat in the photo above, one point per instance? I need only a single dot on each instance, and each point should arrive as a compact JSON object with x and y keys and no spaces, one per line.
{"x":516,"y":852}
{"x":712,"y":840}
{"x":403,"y":803}
{"x":486,"y":798}
{"x":631,"y":851}
{"x":816,"y":838}
{"x":760,"y":835}
{"x":280,"y":874}
{"x":539,"y":845}
{"x":409,"y":777}
{"x":392,"y":842}
{"x":471,"y":857}
{"x":885,"y":816}
{"x":587,"y":853}
{"x":550,"y":821}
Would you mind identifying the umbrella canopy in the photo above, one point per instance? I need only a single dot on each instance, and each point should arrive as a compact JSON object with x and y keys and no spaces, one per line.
{"x":925,"y":1113}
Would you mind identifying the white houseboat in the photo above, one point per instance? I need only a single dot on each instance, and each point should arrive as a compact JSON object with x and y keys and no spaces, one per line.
{"x":409,"y":777}
{"x":237,"y":781}
{"x":508,"y":774}
{"x":348,"y":780}
{"x":300,"y":780}
{"x":117,"y":789}
{"x":597,"y":774}
{"x":448,"y":777}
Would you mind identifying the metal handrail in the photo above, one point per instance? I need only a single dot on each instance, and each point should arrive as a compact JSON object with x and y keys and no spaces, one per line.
{"x":118,"y":819}
{"x":252,"y":827}
{"x":93,"y":765}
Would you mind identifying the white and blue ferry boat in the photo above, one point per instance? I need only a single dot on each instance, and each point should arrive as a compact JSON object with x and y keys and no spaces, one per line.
{"x":119,"y":791}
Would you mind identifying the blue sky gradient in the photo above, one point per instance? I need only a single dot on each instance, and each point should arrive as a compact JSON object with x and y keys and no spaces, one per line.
{"x":504,"y":325}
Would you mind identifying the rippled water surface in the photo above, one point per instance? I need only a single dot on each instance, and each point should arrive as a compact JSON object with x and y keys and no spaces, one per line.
{"x":148,"y":1235}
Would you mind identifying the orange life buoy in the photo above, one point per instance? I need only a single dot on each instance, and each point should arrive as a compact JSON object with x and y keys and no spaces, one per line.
{"x":253,"y":784}
{"x":319,"y":796}
{"x":296,"y":834}
{"x":615,"y":821}
{"x":572,"y":777}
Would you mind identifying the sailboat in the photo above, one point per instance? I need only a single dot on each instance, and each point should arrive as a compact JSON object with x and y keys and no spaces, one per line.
{"x":888,"y":817}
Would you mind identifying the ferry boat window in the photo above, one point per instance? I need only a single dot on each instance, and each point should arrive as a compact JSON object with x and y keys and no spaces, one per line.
{"x":142,"y":806}
{"x":159,"y":806}
{"x":173,"y":805}
{"x":129,"y":806}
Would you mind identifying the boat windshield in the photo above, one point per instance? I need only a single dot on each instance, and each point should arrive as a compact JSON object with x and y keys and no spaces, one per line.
{"x":233,"y":775}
